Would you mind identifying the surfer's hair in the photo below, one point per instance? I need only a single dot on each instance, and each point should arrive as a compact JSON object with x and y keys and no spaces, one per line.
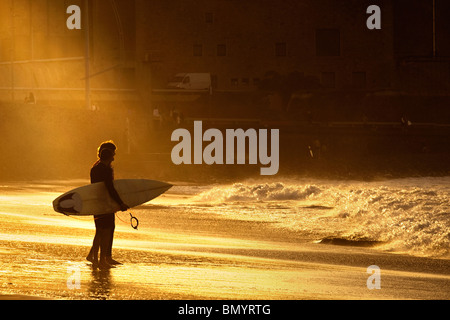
{"x":106,"y":145}
{"x":106,"y":154}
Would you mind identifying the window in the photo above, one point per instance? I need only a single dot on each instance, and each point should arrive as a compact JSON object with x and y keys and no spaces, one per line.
{"x":280,"y":49}
{"x":328,"y":42}
{"x":221,"y":50}
{"x":198,"y":50}
{"x":55,"y":17}
{"x":234,"y":82}
{"x":214,"y":81}
{"x":359,"y":80}
{"x":245,"y":81}
{"x":329,"y":79}
{"x":209,"y":17}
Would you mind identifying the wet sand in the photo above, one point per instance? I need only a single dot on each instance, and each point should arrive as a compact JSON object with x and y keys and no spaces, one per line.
{"x":191,"y":256}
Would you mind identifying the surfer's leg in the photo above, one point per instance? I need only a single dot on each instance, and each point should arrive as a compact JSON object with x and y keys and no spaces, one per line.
{"x":101,"y":241}
{"x":112,"y":226}
{"x":93,"y":253}
{"x":107,"y":232}
{"x":104,"y":249}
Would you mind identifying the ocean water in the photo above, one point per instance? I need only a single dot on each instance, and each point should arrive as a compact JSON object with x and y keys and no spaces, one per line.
{"x":234,"y":241}
{"x":409,"y":215}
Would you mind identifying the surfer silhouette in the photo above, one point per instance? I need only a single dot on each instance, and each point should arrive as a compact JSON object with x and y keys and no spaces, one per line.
{"x":102,"y":171}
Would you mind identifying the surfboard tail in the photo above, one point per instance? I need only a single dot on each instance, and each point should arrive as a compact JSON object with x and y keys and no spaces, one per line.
{"x":68,"y":204}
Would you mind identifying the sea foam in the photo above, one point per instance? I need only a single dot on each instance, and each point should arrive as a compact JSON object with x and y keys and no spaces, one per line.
{"x":403,"y":215}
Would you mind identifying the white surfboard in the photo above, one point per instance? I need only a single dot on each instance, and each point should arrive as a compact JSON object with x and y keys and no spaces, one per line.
{"x":94,"y":199}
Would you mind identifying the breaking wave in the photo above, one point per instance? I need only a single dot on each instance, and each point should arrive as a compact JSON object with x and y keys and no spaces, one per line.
{"x":258,"y":192}
{"x":404,"y":215}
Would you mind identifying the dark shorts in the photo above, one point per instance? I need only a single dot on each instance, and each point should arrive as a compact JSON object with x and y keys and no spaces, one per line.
{"x":105,"y":221}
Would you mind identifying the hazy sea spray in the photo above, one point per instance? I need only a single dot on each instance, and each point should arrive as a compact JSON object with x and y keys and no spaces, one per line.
{"x":258,"y":192}
{"x":410,"y":215}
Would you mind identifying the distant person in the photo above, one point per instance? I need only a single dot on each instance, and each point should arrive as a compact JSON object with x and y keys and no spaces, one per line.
{"x":180,"y":118}
{"x":405,"y":121}
{"x":95,"y":107}
{"x":30,"y":99}
{"x":173,"y":114}
{"x":157,"y":119}
{"x":102,"y":171}
{"x":309,"y":116}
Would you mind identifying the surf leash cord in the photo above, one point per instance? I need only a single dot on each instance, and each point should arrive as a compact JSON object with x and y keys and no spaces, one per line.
{"x":133,"y":220}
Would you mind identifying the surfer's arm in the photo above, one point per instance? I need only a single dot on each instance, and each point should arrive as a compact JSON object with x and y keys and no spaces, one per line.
{"x":114,"y":194}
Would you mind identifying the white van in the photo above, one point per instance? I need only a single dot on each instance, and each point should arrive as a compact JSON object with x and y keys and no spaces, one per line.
{"x":191,"y":81}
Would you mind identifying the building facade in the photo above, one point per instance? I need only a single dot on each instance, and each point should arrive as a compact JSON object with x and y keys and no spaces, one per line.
{"x":40,"y":54}
{"x":240,"y":42}
{"x":141,"y":44}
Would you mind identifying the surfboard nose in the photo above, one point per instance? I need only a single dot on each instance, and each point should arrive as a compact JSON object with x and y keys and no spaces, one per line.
{"x":166,"y":185}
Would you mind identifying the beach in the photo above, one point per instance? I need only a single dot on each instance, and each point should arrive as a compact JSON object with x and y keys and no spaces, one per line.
{"x":247,"y":241}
